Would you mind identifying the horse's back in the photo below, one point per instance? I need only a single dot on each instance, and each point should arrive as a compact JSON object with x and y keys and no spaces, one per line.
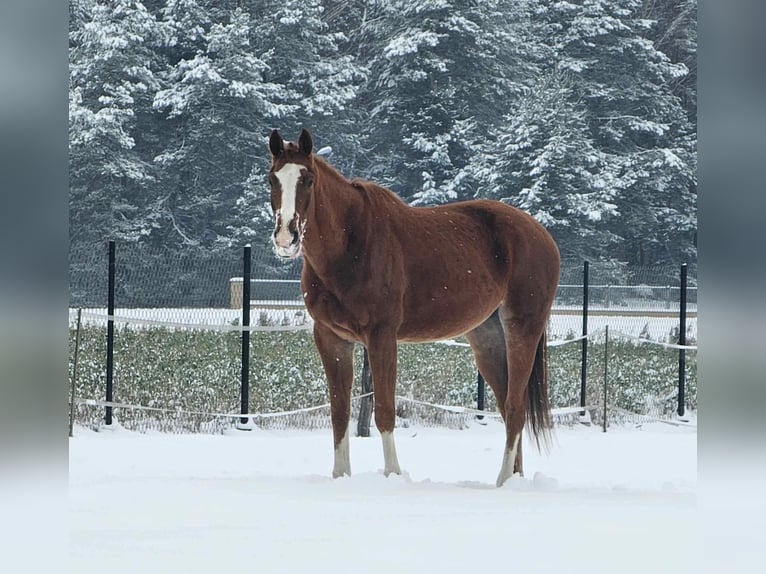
{"x":507,"y":239}
{"x":505,"y":221}
{"x":461,"y":261}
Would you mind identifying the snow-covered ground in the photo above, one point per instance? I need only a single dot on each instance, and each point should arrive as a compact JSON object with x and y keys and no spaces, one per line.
{"x":262,"y":501}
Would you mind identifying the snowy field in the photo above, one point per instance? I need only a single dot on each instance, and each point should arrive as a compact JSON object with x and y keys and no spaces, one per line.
{"x":262,"y":501}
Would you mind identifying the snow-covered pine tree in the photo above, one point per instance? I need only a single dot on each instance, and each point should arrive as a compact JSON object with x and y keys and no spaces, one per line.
{"x":316,"y":80}
{"x":112,"y":77}
{"x":543,"y":161}
{"x":675,"y":34}
{"x":636,"y":121}
{"x":217,"y":104}
{"x":440,"y":73}
{"x":303,"y":55}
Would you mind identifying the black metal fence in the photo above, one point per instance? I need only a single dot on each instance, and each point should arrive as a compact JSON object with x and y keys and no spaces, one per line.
{"x":122,"y":292}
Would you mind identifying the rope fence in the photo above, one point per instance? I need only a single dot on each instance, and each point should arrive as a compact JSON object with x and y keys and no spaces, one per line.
{"x":409,"y":411}
{"x":103,"y":318}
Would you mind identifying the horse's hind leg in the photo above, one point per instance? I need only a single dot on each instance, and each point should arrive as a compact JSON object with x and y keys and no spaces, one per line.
{"x":521,"y":340}
{"x":338,"y":360}
{"x":488,"y":345}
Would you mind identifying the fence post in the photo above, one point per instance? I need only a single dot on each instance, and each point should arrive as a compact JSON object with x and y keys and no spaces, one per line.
{"x":365,"y":405}
{"x":74,"y":371}
{"x":584,"y":360}
{"x":245,"y":337}
{"x":480,"y":394}
{"x":606,"y":371}
{"x":110,"y":335}
{"x":682,"y":341}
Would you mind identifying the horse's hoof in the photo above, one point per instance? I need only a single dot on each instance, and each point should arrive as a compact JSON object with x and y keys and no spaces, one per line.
{"x":501,"y":479}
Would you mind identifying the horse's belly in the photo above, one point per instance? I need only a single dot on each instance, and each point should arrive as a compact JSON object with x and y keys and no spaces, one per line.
{"x":444,"y":321}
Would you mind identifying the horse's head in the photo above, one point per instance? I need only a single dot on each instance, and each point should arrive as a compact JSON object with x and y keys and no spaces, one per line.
{"x":291,"y":178}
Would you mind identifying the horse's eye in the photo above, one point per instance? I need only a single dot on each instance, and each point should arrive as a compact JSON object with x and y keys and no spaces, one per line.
{"x":308,"y":180}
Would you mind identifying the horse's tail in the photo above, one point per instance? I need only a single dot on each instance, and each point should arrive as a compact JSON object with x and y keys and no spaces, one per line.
{"x":538,"y":407}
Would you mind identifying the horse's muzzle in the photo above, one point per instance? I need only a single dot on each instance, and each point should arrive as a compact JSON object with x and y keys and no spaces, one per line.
{"x":287,"y":243}
{"x":291,"y":252}
{"x":286,"y":239}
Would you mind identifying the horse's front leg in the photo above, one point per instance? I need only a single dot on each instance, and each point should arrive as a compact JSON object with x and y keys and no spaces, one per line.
{"x":338,"y":360}
{"x":381,"y":350}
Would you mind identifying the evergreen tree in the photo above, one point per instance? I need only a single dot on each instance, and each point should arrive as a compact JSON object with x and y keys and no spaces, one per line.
{"x":217,"y":105}
{"x":440,"y":72}
{"x":543,"y":161}
{"x":675,"y":35}
{"x":113,"y":65}
{"x":302,"y":56}
{"x":636,"y":122}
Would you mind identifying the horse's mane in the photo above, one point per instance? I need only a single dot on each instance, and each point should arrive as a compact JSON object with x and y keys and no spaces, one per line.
{"x":358,"y":183}
{"x":377,"y":189}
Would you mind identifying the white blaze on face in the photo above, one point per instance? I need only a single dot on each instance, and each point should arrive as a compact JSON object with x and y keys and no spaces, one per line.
{"x":288,"y":177}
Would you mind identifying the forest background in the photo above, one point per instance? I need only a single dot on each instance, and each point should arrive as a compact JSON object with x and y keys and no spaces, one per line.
{"x":581,"y":112}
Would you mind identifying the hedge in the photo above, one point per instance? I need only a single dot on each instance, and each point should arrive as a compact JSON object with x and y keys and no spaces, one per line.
{"x":200,"y":371}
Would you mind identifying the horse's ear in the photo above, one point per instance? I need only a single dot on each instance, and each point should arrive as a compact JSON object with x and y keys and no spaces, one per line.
{"x":276,"y":143}
{"x":305,"y":143}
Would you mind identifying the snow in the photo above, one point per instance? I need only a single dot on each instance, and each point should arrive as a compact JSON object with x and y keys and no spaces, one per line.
{"x":409,"y":42}
{"x":621,"y":501}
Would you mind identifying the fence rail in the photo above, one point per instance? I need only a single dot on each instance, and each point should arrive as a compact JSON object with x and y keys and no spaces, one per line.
{"x":628,"y":299}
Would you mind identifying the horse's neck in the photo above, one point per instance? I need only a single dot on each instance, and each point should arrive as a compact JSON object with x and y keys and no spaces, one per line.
{"x":334,"y":206}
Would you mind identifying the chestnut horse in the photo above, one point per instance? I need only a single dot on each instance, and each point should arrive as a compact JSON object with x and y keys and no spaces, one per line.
{"x":377,"y":271}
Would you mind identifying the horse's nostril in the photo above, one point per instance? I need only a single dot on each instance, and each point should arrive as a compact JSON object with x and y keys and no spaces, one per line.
{"x":295,"y":238}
